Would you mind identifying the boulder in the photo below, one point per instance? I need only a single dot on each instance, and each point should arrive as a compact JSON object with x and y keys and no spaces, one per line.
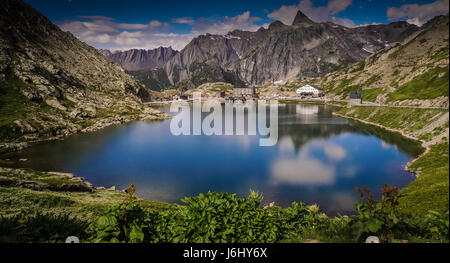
{"x":55,"y":104}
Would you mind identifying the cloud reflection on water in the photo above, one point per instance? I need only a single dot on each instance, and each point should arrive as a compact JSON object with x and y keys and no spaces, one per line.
{"x":305,"y":169}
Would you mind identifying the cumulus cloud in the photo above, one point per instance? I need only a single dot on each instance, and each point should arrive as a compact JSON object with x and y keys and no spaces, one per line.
{"x":418,"y":14}
{"x":105,"y":32}
{"x":242,"y":21}
{"x":303,"y":170}
{"x":336,"y":6}
{"x":286,"y":14}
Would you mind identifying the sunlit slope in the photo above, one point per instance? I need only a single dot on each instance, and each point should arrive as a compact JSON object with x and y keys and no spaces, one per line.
{"x":413,"y":72}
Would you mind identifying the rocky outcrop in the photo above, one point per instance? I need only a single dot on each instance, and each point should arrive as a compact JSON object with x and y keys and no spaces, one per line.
{"x":51,"y":181}
{"x":52,"y":84}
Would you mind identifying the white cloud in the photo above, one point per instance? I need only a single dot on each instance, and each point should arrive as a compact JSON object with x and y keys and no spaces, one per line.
{"x":304,"y":169}
{"x":132,"y":26}
{"x":286,"y":14}
{"x":105,"y":32}
{"x":242,"y":21}
{"x":286,"y":145}
{"x":418,"y":14}
{"x":334,"y":152}
{"x":128,"y":38}
{"x":336,"y":6}
{"x":183,"y":20}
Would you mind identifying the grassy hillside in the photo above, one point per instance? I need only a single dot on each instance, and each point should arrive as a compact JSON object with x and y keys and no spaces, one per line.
{"x":413,"y":72}
{"x":430,"y":191}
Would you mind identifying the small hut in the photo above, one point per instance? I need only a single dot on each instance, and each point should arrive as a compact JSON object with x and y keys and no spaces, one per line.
{"x":355,"y":97}
{"x":246,"y":93}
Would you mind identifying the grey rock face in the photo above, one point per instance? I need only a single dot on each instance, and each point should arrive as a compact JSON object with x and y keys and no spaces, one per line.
{"x":303,"y":50}
{"x":138,"y":59}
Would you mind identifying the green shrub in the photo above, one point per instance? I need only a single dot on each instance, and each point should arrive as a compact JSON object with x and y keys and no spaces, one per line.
{"x":222,"y":217}
{"x":125,"y":222}
{"x":384,"y":219}
{"x":211,"y":217}
{"x":377,"y":218}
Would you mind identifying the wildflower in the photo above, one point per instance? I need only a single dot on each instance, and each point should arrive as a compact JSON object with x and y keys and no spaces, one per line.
{"x":313,"y":208}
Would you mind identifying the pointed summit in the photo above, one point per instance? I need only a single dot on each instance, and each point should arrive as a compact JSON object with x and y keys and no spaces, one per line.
{"x":301,"y":18}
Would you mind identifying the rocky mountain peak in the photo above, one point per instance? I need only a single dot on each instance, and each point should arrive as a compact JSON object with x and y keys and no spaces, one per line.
{"x":301,"y":18}
{"x":276,"y":25}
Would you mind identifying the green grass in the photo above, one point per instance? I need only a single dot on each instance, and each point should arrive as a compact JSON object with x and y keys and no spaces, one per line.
{"x":407,"y":119}
{"x":15,"y":199}
{"x":335,"y":102}
{"x":430,"y":191}
{"x":371,"y":94}
{"x":440,"y":54}
{"x":372,"y":80}
{"x":345,"y":87}
{"x":426,"y":86}
{"x":12,"y":107}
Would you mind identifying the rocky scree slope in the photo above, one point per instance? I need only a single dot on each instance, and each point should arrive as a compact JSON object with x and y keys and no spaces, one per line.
{"x":52,"y":84}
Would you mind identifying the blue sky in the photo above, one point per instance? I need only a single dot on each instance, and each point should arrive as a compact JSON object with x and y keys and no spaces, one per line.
{"x":121,"y":25}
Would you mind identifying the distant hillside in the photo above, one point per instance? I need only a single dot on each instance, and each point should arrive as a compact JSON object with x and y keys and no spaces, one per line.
{"x":413,"y":72}
{"x":52,"y":84}
{"x":154,"y":79}
{"x":139,"y":59}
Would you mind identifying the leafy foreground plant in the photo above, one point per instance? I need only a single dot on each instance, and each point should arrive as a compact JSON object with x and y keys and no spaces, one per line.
{"x":223,"y":217}
{"x":211,"y":217}
{"x":382,"y":218}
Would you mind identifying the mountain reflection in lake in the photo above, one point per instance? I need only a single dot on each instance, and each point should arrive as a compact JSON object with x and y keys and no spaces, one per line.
{"x":319,"y":159}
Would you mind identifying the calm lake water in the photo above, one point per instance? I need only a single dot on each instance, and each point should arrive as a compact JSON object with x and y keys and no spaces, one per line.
{"x":319,"y":158}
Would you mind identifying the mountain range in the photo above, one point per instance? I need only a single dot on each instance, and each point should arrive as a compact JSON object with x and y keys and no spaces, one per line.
{"x":137,"y":59}
{"x":280,"y":53}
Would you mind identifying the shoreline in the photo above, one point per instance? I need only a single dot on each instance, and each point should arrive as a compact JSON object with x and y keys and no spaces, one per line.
{"x":8,"y":147}
{"x":423,"y":144}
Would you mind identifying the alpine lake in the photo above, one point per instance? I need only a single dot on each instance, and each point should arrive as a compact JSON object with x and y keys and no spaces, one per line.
{"x":318,"y":159}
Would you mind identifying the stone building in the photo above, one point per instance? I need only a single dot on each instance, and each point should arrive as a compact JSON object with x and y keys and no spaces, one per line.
{"x":246,"y":93}
{"x":355,"y":97}
{"x":310,"y":90}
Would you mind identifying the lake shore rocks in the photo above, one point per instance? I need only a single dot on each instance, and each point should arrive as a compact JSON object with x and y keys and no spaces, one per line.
{"x":145,"y":114}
